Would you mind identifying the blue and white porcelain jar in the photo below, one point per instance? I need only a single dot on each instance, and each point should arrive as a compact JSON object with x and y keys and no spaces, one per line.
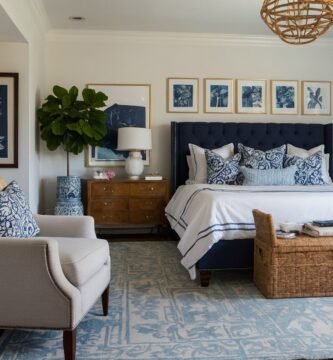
{"x":68,"y":196}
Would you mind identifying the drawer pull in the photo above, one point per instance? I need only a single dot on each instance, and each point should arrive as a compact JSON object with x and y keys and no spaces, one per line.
{"x":152,"y":188}
{"x":107,"y":203}
{"x":148,"y":217}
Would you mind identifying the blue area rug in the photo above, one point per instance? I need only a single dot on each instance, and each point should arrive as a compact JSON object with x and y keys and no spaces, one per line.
{"x":157,"y":312}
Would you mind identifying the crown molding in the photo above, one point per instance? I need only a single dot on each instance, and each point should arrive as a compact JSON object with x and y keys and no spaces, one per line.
{"x":206,"y":39}
{"x":40,"y":14}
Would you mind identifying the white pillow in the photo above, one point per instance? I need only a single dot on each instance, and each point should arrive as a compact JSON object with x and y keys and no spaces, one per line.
{"x":199,"y":160}
{"x":190,"y":170}
{"x":303,"y":153}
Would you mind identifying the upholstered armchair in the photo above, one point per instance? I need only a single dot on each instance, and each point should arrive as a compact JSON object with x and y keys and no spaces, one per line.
{"x":52,"y":280}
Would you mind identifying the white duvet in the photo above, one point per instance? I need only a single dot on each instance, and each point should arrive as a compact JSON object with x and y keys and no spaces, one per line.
{"x":203,"y":214}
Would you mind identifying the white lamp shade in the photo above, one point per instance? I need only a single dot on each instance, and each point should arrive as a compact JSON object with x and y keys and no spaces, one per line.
{"x":134,"y":138}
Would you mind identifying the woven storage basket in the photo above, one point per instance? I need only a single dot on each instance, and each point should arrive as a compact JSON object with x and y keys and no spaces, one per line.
{"x":298,"y":267}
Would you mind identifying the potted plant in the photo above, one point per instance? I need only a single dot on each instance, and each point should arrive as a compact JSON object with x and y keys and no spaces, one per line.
{"x":73,"y":124}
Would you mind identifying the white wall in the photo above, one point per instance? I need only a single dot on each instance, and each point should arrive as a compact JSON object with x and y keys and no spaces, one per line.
{"x":14,"y":58}
{"x":104,"y":57}
{"x":29,"y":19}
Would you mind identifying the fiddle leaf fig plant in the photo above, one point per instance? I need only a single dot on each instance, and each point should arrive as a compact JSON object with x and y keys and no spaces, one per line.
{"x":71,"y":123}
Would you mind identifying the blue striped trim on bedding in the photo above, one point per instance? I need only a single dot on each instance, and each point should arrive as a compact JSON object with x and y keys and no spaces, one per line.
{"x":222,"y":227}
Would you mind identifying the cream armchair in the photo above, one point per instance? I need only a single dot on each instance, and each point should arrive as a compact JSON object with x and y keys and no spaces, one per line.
{"x":51,"y":281}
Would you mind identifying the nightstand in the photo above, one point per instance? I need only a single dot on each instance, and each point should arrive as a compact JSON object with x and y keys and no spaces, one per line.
{"x":126,"y":202}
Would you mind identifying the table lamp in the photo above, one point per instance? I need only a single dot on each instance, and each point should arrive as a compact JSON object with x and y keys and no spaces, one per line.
{"x":134,"y":139}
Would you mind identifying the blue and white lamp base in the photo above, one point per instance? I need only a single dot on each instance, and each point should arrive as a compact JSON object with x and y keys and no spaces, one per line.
{"x":68,"y":196}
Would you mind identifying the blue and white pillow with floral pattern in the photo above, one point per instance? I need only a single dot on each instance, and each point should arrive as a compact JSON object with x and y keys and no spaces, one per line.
{"x":258,"y":159}
{"x":16,"y":219}
{"x":309,"y":170}
{"x":223,"y":171}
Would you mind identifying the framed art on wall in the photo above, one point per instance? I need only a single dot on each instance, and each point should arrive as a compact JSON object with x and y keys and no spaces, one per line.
{"x":9,"y":120}
{"x":316,"y":97}
{"x":218,"y":96}
{"x":127,"y":106}
{"x":182,"y":95}
{"x":284,"y":97}
{"x":251,"y":96}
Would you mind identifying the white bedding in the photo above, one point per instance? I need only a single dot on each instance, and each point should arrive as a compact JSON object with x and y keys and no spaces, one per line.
{"x":203,"y":214}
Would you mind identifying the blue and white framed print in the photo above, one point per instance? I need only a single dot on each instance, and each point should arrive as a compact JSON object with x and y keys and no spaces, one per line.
{"x":182,"y":95}
{"x":218,"y":96}
{"x":251,"y":96}
{"x":284,"y":97}
{"x":127,"y":105}
{"x":9,"y":120}
{"x":316,"y":97}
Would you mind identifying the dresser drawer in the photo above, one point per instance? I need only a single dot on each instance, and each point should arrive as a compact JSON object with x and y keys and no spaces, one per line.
{"x":146,"y":204}
{"x":117,"y":217}
{"x":124,"y":202}
{"x":107,"y":189}
{"x":149,"y":188}
{"x":112,"y":204}
{"x":147,"y":217}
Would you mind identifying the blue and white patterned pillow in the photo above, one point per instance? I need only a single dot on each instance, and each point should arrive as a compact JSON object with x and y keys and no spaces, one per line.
{"x":309,"y":170}
{"x":222,"y":171}
{"x":16,"y":219}
{"x":258,"y":159}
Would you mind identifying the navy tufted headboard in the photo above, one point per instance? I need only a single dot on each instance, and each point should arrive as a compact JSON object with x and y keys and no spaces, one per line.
{"x":262,"y":136}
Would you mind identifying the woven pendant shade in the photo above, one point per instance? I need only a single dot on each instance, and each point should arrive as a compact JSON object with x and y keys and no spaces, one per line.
{"x":298,"y":22}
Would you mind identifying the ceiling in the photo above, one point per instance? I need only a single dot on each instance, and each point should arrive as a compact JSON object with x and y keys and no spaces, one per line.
{"x":8,"y":30}
{"x":238,"y":17}
{"x":196,"y":16}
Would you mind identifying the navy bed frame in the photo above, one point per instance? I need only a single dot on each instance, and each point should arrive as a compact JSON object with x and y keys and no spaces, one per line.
{"x":238,"y":254}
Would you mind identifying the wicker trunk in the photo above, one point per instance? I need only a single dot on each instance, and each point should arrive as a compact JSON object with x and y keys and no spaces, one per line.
{"x":298,"y":267}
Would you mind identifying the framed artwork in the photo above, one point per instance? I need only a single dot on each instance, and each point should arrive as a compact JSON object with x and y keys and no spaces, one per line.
{"x":251,"y":96}
{"x":284,"y":97}
{"x":218,"y":96}
{"x":127,"y":105}
{"x":316,"y":97}
{"x":9,"y":120}
{"x":182,"y":95}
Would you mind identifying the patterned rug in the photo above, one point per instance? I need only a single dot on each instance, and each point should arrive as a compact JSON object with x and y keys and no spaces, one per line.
{"x":158,"y":313}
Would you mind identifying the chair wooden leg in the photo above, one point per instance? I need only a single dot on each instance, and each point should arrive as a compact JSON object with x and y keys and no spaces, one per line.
{"x":105,"y":301}
{"x":69,"y":340}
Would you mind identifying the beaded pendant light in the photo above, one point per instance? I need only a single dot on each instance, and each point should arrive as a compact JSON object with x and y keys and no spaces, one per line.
{"x":298,"y":21}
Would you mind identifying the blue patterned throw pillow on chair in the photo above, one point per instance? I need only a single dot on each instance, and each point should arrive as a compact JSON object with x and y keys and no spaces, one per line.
{"x":16,"y":219}
{"x":309,"y":170}
{"x":258,"y":159}
{"x":222,"y":171}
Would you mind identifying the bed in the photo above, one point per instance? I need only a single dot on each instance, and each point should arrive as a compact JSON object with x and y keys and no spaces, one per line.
{"x":238,"y":253}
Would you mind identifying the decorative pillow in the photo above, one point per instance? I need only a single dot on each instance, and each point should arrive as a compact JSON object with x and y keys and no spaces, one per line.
{"x":303,"y":153}
{"x":190,"y":168}
{"x":257,"y":159}
{"x":309,"y":170}
{"x":199,"y":160}
{"x":16,"y":219}
{"x":284,"y":176}
{"x":221,"y":171}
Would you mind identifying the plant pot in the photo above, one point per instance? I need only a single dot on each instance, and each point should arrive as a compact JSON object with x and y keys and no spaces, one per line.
{"x":68,"y":196}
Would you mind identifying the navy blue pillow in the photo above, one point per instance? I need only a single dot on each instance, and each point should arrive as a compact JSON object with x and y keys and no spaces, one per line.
{"x":16,"y":219}
{"x":258,"y":159}
{"x":222,"y":171}
{"x":309,"y":170}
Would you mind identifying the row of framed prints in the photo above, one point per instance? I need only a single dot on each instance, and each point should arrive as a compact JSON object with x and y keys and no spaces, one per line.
{"x":250,"y":96}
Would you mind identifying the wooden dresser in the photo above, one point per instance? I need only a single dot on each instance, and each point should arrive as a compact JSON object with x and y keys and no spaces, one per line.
{"x":126,"y":202}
